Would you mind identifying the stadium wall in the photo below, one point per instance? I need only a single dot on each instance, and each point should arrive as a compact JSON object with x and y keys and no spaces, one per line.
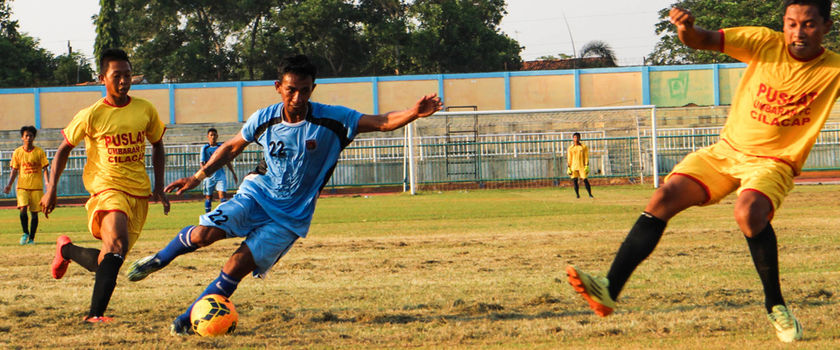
{"x":224,"y":102}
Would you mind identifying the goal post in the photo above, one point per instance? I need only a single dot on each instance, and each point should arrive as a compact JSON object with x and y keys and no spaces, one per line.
{"x":522,"y":147}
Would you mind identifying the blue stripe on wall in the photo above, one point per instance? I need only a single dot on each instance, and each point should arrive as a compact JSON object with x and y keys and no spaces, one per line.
{"x":36,"y":92}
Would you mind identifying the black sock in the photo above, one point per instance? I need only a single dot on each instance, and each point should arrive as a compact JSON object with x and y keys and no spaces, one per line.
{"x":638,"y":244}
{"x":106,"y":280}
{"x":33,"y":226}
{"x":87,"y":257}
{"x":24,"y":221}
{"x":765,"y":255}
{"x":577,"y":188}
{"x":588,"y":188}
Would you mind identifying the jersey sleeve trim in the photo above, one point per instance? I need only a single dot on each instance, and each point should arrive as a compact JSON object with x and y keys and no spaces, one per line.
{"x":722,"y":41}
{"x":161,"y":136}
{"x":66,"y":139}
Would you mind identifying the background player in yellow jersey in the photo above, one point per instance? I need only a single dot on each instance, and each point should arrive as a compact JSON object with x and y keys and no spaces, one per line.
{"x":578,"y":162}
{"x":783,"y":99}
{"x":114,"y":130}
{"x":29,"y":161}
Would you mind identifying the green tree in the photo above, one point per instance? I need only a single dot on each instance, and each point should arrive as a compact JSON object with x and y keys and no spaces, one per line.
{"x":72,"y":69}
{"x":454,"y":36}
{"x":713,"y":15}
{"x":107,"y":30}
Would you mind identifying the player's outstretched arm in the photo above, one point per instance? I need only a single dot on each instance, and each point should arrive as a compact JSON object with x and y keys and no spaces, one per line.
{"x":223,"y":155}
{"x":691,"y":36}
{"x":159,"y":165}
{"x":58,"y":164}
{"x":12,"y":177}
{"x":424,"y":107}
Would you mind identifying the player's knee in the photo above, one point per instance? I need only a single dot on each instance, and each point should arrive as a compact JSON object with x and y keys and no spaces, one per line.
{"x":751,"y":220}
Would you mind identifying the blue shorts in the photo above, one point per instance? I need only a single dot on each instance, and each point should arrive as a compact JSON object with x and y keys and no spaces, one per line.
{"x":241,"y":216}
{"x":212,"y":184}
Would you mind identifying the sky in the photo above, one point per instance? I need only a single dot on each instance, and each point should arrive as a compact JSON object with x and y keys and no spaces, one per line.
{"x":539,"y":25}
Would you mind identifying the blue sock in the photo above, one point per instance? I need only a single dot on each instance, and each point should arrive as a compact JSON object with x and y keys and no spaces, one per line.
{"x":222,"y":285}
{"x":177,"y":246}
{"x":207,"y":203}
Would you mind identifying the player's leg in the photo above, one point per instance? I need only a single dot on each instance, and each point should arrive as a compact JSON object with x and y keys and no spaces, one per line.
{"x":188,"y":240}
{"x":221,"y":188}
{"x":575,"y":184}
{"x":227,"y":220}
{"x":208,"y":194}
{"x":34,"y":208}
{"x":24,"y":224}
{"x":265,"y":243}
{"x":678,"y":193}
{"x":752,"y":213}
{"x":114,"y":234}
{"x":754,"y":210}
{"x":239,"y":265}
{"x":588,"y":187}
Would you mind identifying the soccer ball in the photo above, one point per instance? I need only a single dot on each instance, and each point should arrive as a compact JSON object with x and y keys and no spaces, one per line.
{"x":213,"y":315}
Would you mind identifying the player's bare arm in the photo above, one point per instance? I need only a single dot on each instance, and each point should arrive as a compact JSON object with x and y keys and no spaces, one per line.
{"x":12,"y":177}
{"x":223,"y":155}
{"x":692,"y":36}
{"x":58,"y":164}
{"x":159,"y":165}
{"x":424,"y":107}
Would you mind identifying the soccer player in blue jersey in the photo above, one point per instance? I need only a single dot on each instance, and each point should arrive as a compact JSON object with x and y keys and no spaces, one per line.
{"x":216,"y":181}
{"x":273,"y":208}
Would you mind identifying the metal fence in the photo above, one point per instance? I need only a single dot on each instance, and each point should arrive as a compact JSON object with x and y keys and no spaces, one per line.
{"x":482,"y":158}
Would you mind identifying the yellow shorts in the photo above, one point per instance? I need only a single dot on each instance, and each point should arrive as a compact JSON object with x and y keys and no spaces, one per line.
{"x":29,"y":198}
{"x":578,"y":174}
{"x":721,"y":170}
{"x":135,"y":209}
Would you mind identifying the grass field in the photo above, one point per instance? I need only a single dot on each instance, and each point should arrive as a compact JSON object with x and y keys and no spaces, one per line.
{"x":478,"y":269}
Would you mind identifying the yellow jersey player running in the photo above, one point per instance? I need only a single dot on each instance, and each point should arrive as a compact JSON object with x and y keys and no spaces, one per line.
{"x":30,"y":162}
{"x":784,"y":98}
{"x":578,"y":162}
{"x":114,"y":130}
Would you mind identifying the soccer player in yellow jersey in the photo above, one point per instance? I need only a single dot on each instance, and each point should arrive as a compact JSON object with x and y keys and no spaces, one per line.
{"x":782,"y":101}
{"x":114,"y":130}
{"x":29,"y":161}
{"x":578,"y":161}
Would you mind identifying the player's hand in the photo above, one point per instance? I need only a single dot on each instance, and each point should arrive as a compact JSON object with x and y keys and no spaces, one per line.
{"x":681,"y":18}
{"x":159,"y":196}
{"x":586,"y":170}
{"x":7,"y":189}
{"x":48,"y":203}
{"x":428,"y":105}
{"x":182,"y":184}
{"x":569,"y":171}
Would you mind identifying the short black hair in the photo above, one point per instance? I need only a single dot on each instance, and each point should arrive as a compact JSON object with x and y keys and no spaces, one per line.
{"x":212,"y":130}
{"x":29,"y":128}
{"x":823,"y":6}
{"x":297,"y":64}
{"x":111,"y":55}
{"x":576,"y":134}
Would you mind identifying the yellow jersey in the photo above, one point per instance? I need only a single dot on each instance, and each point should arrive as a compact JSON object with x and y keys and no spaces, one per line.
{"x":781,"y":102}
{"x":578,"y":157}
{"x":115,"y":144}
{"x":30,"y":166}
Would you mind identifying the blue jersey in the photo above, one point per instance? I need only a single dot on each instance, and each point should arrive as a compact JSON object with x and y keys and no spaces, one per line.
{"x":299,"y":159}
{"x":207,"y":151}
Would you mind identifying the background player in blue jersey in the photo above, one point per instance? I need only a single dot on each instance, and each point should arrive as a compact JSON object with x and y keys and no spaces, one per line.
{"x":301,"y":143}
{"x":216,"y":181}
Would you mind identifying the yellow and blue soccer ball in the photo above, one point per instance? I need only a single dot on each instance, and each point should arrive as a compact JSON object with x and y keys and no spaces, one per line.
{"x":213,"y":315}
